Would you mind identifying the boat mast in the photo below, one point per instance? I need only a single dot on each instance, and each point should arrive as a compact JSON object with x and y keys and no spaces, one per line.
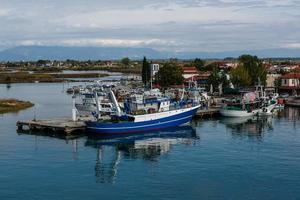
{"x":115,"y":102}
{"x":98,"y":106}
{"x":183,"y":91}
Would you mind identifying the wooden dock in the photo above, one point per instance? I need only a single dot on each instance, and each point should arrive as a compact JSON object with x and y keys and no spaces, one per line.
{"x":65,"y":126}
{"x":210,"y":112}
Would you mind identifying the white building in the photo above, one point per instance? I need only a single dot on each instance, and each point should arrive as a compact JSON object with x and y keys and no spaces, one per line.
{"x":154,"y":69}
{"x":291,"y":80}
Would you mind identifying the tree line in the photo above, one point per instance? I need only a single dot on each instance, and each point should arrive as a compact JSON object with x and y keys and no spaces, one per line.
{"x":248,"y":72}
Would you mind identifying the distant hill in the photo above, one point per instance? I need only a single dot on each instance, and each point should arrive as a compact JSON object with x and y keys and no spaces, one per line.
{"x":77,"y":53}
{"x":33,"y":53}
{"x":265,"y":53}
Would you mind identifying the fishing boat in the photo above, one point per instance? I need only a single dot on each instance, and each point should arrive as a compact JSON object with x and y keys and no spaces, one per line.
{"x":268,"y":109}
{"x":240,"y":109}
{"x":269,"y":104}
{"x":247,"y":106}
{"x":163,"y":115}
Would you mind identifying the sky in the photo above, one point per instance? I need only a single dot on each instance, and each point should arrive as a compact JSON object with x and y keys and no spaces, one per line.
{"x":166,"y":25}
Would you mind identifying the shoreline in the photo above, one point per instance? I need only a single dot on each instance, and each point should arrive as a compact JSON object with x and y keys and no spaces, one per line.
{"x":26,"y":77}
{"x":13,"y":105}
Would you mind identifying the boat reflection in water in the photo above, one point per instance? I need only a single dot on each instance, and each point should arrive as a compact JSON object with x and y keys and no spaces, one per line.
{"x":290,"y":113}
{"x":149,"y":147}
{"x":249,"y":126}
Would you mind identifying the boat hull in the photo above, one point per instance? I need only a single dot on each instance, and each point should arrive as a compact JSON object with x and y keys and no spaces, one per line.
{"x":268,"y":110}
{"x":177,"y":119}
{"x":238,"y":113}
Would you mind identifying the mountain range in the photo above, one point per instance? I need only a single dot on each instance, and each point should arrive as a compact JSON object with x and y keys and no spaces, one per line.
{"x":33,"y":53}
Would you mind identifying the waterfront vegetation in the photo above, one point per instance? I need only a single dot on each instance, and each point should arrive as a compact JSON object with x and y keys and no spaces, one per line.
{"x":125,"y":65}
{"x":13,"y":105}
{"x":26,"y":77}
{"x":146,"y":71}
{"x":245,"y":71}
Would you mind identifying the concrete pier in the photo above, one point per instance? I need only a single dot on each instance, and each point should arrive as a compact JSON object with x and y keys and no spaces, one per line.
{"x":210,"y":112}
{"x":64,"y":126}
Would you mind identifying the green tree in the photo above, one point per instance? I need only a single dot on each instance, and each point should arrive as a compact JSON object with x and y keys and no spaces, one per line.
{"x":218,"y":77}
{"x":146,"y":71}
{"x":199,"y":64}
{"x":210,"y":66}
{"x":254,"y":67}
{"x":169,"y":74}
{"x":240,"y":77}
{"x":125,"y":61}
{"x":214,"y":78}
{"x":224,"y":80}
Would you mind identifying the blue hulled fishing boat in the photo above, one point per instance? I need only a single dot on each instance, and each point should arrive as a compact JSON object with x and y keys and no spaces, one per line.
{"x":159,"y":114}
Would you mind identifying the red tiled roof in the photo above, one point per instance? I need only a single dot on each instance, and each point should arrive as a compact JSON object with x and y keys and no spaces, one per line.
{"x":189,"y":68}
{"x":195,"y":78}
{"x":291,"y":76}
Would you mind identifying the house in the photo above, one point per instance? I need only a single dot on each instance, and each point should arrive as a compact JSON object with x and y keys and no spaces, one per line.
{"x":108,"y":63}
{"x":290,"y":83}
{"x":189,"y":72}
{"x":201,"y":79}
{"x":289,"y":68}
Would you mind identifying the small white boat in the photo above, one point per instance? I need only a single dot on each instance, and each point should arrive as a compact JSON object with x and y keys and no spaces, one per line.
{"x":238,"y":113}
{"x":267,"y":110}
{"x":240,"y":109}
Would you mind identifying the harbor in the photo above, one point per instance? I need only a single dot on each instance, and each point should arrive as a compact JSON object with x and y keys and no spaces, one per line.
{"x":99,"y":107}
{"x":252,"y":148}
{"x":150,"y":100}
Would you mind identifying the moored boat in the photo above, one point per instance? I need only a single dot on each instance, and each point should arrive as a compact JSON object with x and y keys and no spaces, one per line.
{"x":161,"y":115}
{"x":144,"y":123}
{"x":239,"y":110}
{"x":267,"y":109}
{"x":246,"y":107}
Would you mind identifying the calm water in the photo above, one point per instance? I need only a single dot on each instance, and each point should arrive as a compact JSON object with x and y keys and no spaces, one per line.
{"x":213,"y":159}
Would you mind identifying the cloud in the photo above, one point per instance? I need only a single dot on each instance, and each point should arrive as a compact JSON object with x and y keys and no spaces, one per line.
{"x":174,"y":25}
{"x":95,"y":42}
{"x":292,"y":45}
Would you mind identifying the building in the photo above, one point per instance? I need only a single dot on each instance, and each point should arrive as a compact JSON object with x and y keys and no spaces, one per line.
{"x":189,"y":72}
{"x":271,"y":80}
{"x":154,"y":69}
{"x":290,"y":83}
{"x":201,"y":79}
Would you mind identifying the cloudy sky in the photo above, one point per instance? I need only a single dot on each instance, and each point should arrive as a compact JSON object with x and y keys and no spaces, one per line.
{"x":172,"y":25}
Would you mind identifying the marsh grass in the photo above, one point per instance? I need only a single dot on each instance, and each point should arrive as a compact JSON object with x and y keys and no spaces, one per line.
{"x":13,"y":105}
